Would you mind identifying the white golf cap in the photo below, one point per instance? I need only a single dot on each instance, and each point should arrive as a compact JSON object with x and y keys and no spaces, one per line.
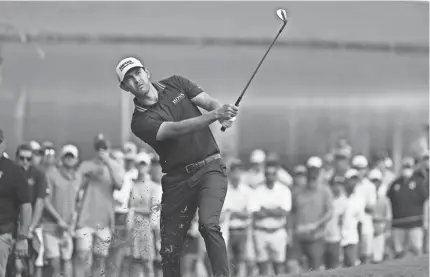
{"x":360,"y":161}
{"x":257,"y":156}
{"x":351,"y":173}
{"x":125,"y":65}
{"x":70,"y":149}
{"x":34,"y":145}
{"x":375,"y":174}
{"x":143,"y":157}
{"x":314,"y":162}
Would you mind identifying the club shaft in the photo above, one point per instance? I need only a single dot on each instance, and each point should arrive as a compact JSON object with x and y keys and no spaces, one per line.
{"x":259,"y":64}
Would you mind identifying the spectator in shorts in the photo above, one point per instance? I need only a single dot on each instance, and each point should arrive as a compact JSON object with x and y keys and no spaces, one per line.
{"x":367,"y":191}
{"x":237,"y":203}
{"x":407,"y":195}
{"x":381,"y":218}
{"x":332,"y":234}
{"x":38,"y":191}
{"x":270,"y":205}
{"x":15,"y":205}
{"x":63,"y":186}
{"x":140,"y":255}
{"x":312,"y":209}
{"x":101,"y":176}
{"x":351,"y":219}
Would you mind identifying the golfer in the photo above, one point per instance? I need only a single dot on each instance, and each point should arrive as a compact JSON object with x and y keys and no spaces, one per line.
{"x":167,"y":118}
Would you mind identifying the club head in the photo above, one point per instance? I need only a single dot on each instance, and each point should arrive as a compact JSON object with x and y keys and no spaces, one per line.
{"x":282,"y":14}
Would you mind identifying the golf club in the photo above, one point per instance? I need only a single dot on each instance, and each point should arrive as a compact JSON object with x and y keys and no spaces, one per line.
{"x":282,"y":14}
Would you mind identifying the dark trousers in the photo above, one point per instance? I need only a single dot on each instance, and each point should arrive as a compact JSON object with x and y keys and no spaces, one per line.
{"x":350,"y":254}
{"x":183,"y":193}
{"x":331,"y":255}
{"x":313,"y":251}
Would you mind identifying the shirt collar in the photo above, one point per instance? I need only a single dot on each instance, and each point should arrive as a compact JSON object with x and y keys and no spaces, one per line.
{"x":142,"y":108}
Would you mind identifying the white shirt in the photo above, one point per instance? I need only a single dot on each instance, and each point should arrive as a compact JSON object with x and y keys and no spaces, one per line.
{"x":156,"y":209}
{"x":277,"y":197}
{"x":284,"y":177}
{"x":122,"y":196}
{"x":238,"y":200}
{"x":367,"y":191}
{"x":333,"y":228}
{"x":388,"y":178}
{"x":254,"y":178}
{"x":353,"y":214}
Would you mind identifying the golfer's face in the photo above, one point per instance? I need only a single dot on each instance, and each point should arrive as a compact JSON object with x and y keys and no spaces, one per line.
{"x":136,"y":81}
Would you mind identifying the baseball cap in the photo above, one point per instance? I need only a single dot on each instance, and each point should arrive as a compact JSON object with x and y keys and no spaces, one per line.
{"x":100,"y":142}
{"x":351,"y":173}
{"x":359,"y":161}
{"x":125,"y":65}
{"x":143,"y":157}
{"x":257,"y":156}
{"x":314,"y":161}
{"x":35,"y":145}
{"x":70,"y":149}
{"x":375,"y":174}
{"x":300,"y":170}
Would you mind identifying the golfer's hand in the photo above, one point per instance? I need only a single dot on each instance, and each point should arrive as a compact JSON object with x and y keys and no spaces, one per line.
{"x":226,"y":112}
{"x":227,"y":123}
{"x":21,"y":248}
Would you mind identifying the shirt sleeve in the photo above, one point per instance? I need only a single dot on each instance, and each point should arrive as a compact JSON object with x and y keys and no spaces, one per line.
{"x":42,"y":186}
{"x":146,"y":127}
{"x":371,"y":195}
{"x":286,"y":200}
{"x":22,"y":189}
{"x":329,"y":200}
{"x":191,"y":89}
{"x":254,"y":204}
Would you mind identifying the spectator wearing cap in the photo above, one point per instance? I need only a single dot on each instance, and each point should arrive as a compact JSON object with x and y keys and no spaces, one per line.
{"x":387,"y":175}
{"x":312,"y":209}
{"x":300,"y":177}
{"x":270,"y":205}
{"x":341,"y":163}
{"x":49,"y":158}
{"x":101,"y":176}
{"x":332,"y":234}
{"x":15,"y":205}
{"x":144,"y":197}
{"x":351,"y":219}
{"x":59,"y":217}
{"x":382,"y":217}
{"x":37,"y":152}
{"x":283,"y":176}
{"x":255,"y":175}
{"x":38,"y":191}
{"x":237,"y":204}
{"x":368,"y":192}
{"x":407,"y":195}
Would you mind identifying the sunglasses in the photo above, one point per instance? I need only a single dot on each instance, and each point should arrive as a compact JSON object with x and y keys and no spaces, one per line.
{"x":25,"y":158}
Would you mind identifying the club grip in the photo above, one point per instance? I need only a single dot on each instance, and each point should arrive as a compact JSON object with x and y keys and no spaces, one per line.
{"x":223,"y":129}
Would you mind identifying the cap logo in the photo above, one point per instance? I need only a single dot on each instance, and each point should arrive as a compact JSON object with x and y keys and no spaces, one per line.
{"x":121,"y":68}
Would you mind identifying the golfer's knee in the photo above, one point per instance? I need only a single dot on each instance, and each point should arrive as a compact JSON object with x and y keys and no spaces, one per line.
{"x":207,"y":226}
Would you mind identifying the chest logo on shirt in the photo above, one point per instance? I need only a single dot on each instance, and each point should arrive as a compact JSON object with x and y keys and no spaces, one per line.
{"x":178,"y":98}
{"x":31,"y":181}
{"x":412,"y":185}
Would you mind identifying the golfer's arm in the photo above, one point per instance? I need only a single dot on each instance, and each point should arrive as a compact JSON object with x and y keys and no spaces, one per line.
{"x":207,"y":102}
{"x":37,"y":213}
{"x":24,"y":219}
{"x":169,"y":130}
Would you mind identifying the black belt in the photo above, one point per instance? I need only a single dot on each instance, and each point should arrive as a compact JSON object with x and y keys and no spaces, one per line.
{"x":192,"y":168}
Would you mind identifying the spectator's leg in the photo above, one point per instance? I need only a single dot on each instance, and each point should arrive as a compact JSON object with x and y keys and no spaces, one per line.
{"x":52,"y":242}
{"x":211,"y":195}
{"x":331,"y":255}
{"x":83,"y":247}
{"x":240,"y":252}
{"x":378,"y":248}
{"x":366,"y":248}
{"x":349,"y":255}
{"x":261,"y":242}
{"x":250,"y":253}
{"x":415,"y":236}
{"x":399,"y":239}
{"x":277,"y":243}
{"x":126,"y":266}
{"x":315,"y":250}
{"x":101,"y":247}
{"x":6,"y":243}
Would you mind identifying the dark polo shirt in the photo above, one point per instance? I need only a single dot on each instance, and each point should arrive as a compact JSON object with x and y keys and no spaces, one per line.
{"x":407,"y":198}
{"x":174,"y":104}
{"x":36,"y":179}
{"x":14,"y":191}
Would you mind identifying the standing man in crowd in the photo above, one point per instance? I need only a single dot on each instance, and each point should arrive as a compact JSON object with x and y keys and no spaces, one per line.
{"x":36,"y":179}
{"x":63,"y":186}
{"x":312,"y":209}
{"x":407,"y":195}
{"x":167,"y":118}
{"x":237,"y":203}
{"x":270,"y":205}
{"x":101,"y":176}
{"x":15,"y":204}
{"x":367,"y":191}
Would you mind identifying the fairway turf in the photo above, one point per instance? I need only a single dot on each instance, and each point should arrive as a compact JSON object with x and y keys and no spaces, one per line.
{"x":407,"y":267}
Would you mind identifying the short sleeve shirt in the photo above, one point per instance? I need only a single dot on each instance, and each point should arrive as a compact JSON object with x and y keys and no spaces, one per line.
{"x":14,"y":191}
{"x":174,"y":105}
{"x":36,"y":179}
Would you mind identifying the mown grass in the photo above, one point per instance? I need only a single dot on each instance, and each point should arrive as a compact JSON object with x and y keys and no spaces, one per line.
{"x":407,"y":267}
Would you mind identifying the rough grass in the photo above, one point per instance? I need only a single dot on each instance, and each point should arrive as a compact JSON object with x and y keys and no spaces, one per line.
{"x":407,"y":267}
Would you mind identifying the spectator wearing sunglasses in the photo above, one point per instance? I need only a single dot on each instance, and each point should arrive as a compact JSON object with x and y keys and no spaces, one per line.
{"x":38,"y":191}
{"x":15,"y":203}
